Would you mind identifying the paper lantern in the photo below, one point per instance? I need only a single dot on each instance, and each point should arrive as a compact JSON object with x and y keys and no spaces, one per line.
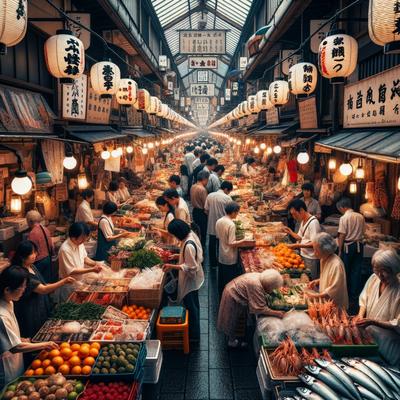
{"x":279,"y":93}
{"x":252,"y":104}
{"x":143,"y":100}
{"x":164,"y":111}
{"x":16,"y":204}
{"x":353,"y":187}
{"x":21,"y":184}
{"x":337,"y":57}
{"x":105,"y":77}
{"x":332,"y":164}
{"x":263,"y":101}
{"x":302,"y":79}
{"x":303,"y":157}
{"x":384,"y":24}
{"x":346,"y":169}
{"x":13,"y":23}
{"x":127,"y":92}
{"x":65,"y":56}
{"x":153,"y":107}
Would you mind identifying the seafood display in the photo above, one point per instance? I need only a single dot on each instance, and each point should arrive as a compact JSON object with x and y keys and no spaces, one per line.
{"x":105,"y":285}
{"x":286,"y":298}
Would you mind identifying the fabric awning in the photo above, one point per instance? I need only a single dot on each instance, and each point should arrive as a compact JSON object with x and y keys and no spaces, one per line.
{"x":94,"y":133}
{"x":274,"y":130}
{"x":138,"y":132}
{"x":382,"y":144}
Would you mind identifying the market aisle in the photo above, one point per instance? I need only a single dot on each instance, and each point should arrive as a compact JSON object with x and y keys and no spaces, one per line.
{"x":210,"y":371}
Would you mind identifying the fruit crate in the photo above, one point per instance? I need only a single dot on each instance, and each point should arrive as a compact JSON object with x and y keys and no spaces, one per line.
{"x":135,"y":375}
{"x":79,"y":297}
{"x":135,"y":389}
{"x":116,"y":300}
{"x":113,"y":331}
{"x":149,"y":298}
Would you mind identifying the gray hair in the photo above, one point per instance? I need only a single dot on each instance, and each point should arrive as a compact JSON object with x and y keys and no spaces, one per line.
{"x":203,"y":175}
{"x":387,"y":259}
{"x":271,"y":279}
{"x":33,"y":217}
{"x":326,"y":243}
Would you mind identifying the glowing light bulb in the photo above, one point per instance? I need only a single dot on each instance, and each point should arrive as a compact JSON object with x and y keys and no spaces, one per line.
{"x":115,"y":153}
{"x":70,"y":162}
{"x":353,"y":187}
{"x":360,"y":173}
{"x":256,"y":150}
{"x":129,"y":149}
{"x":247,"y":141}
{"x":332,"y":164}
{"x":105,"y":154}
{"x":21,"y":184}
{"x":303,"y":157}
{"x":145,"y":150}
{"x":263,"y":146}
{"x":346,"y":169}
{"x":151,"y":145}
{"x":269,"y":150}
{"x":277,"y":149}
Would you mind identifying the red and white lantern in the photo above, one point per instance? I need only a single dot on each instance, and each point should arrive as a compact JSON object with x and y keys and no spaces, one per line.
{"x":127,"y":92}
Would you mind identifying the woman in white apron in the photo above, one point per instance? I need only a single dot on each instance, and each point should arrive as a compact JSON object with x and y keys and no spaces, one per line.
{"x":13,"y":282}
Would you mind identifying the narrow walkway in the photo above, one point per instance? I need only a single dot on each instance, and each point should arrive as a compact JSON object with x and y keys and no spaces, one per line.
{"x":211,"y":371}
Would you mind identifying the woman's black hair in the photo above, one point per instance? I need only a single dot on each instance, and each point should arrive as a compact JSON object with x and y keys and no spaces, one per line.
{"x":250,"y":160}
{"x":78,"y":229}
{"x":12,"y":277}
{"x":24,"y":250}
{"x":308,"y":186}
{"x":180,"y":229}
{"x":175,"y":178}
{"x":171,"y":194}
{"x":87,"y":194}
{"x":109,"y":207}
{"x":160,"y":201}
{"x":232,"y":207}
{"x":184,"y":170}
{"x":113,"y":186}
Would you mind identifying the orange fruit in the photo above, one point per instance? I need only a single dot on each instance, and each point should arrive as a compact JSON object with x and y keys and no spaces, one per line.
{"x":50,"y":370}
{"x":46,"y":363}
{"x":64,"y":369}
{"x":95,"y":345}
{"x":84,"y":351}
{"x":57,"y":361}
{"x":43,"y":355}
{"x":75,"y":347}
{"x":86,"y":370}
{"x":76,"y":370}
{"x":94,"y":352}
{"x":66,"y":353}
{"x":54,"y":353}
{"x":64,"y":345}
{"x":39,"y":371}
{"x":75,"y":360}
{"x":89,"y":361}
{"x":75,"y":353}
{"x":29,"y":372}
{"x":36,"y":364}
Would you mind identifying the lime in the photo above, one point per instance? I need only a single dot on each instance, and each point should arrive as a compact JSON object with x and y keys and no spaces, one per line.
{"x":72,"y":396}
{"x":79,"y":386}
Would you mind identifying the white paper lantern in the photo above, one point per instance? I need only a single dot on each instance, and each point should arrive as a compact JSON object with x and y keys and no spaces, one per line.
{"x":279,"y":93}
{"x":337,"y":57}
{"x":252,"y":104}
{"x":153,"y":107}
{"x":65,"y":56}
{"x":143,"y":100}
{"x":263,"y":101}
{"x":277,"y":149}
{"x":384,"y":25}
{"x":302,"y":79}
{"x":13,"y":23}
{"x":21,"y":184}
{"x":105,"y":77}
{"x":127,"y":92}
{"x":303,"y":157}
{"x":346,"y":169}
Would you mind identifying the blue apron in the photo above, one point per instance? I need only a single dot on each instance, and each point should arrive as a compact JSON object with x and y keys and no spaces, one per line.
{"x":103,"y":245}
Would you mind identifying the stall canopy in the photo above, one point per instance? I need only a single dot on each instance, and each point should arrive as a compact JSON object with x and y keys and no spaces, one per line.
{"x":94,"y":134}
{"x":382,"y":144}
{"x":275,"y":130}
{"x":138,"y":132}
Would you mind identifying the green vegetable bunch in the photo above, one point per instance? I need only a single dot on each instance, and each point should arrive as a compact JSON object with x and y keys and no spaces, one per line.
{"x":73,"y":311}
{"x":143,"y":258}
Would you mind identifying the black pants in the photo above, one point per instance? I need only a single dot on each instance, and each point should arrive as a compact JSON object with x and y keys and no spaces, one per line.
{"x":352,"y":256}
{"x":226,"y":273}
{"x":200,"y":218}
{"x":213,"y":243}
{"x":192,"y":304}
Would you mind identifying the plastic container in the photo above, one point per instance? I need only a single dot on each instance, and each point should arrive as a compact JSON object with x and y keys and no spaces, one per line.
{"x":153,"y":363}
{"x":150,"y":298}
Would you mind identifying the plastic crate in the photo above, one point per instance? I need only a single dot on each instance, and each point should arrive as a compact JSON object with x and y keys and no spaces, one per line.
{"x":153,"y":363}
{"x":135,"y":386}
{"x":150,"y":298}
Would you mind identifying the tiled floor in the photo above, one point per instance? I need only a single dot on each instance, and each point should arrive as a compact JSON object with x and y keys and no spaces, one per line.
{"x":210,"y":371}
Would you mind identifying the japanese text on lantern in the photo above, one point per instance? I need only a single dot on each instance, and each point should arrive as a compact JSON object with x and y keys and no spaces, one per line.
{"x":73,"y":57}
{"x":108,"y":73}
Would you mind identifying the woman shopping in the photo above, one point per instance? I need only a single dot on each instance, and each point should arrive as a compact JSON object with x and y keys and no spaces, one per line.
{"x":169,"y":215}
{"x":190,"y":275}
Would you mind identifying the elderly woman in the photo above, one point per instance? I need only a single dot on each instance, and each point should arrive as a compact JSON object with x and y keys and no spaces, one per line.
{"x":247,"y":290}
{"x":332,"y":282}
{"x":380,"y":305}
{"x":123,"y":191}
{"x":40,"y":235}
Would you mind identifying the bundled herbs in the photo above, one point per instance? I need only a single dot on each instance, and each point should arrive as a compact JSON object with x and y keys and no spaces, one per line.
{"x":72,"y":311}
{"x":143,"y":258}
{"x":240,"y":232}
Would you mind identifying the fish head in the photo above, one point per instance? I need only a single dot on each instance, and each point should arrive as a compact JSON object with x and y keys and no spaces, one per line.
{"x":350,"y":361}
{"x":309,"y":380}
{"x":341,"y":365}
{"x":312,"y":369}
{"x":303,"y":391}
{"x":321,"y":362}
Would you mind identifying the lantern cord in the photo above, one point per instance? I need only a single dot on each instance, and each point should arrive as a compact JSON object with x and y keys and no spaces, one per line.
{"x":106,"y":46}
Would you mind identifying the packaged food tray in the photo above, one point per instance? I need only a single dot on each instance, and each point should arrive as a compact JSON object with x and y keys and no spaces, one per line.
{"x":109,"y":331}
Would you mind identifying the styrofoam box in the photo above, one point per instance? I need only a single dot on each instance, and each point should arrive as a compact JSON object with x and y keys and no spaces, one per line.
{"x":6,"y":232}
{"x":262,"y":378}
{"x":19,"y":224}
{"x":153,"y":363}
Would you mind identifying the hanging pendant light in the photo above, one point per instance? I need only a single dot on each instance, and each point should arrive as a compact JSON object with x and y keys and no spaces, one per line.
{"x":21,"y":184}
{"x":145,"y":150}
{"x":353,"y":187}
{"x":256,"y":150}
{"x":65,"y":56}
{"x":263,"y":146}
{"x":332,"y":164}
{"x":302,"y":79}
{"x":115,"y":153}
{"x":127,"y":92}
{"x":360,"y":173}
{"x":279,"y":92}
{"x":129,"y":149}
{"x":16,"y":204}
{"x":104,"y":78}
{"x":269,"y":150}
{"x":82,"y":181}
{"x":346,"y":168}
{"x":69,"y":161}
{"x":253,"y":105}
{"x":302,"y":156}
{"x":13,"y":23}
{"x":144,"y":100}
{"x":247,"y":141}
{"x":105,"y":154}
{"x":277,"y":149}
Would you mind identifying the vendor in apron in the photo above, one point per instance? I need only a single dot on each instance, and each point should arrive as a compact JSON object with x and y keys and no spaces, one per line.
{"x":106,"y":233}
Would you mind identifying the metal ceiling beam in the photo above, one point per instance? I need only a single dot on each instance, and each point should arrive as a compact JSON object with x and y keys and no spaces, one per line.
{"x":190,"y":14}
{"x":181,"y":18}
{"x":224,"y":18}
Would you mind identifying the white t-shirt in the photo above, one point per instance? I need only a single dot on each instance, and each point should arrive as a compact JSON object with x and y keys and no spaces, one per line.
{"x":215,"y":208}
{"x":84,"y":212}
{"x":113,"y":196}
{"x":123,"y":194}
{"x":107,"y":226}
{"x":307,"y":232}
{"x":225,"y":230}
{"x":182,"y":211}
{"x":352,"y":225}
{"x":71,"y":257}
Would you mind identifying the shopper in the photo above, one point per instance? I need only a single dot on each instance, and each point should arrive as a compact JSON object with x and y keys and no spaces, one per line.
{"x":197,"y":153}
{"x":203,"y":159}
{"x":174,"y":182}
{"x":380,"y":305}
{"x":123,"y":192}
{"x":219,"y":170}
{"x":169,"y":215}
{"x":309,"y":228}
{"x":189,"y":158}
{"x":13,"y":283}
{"x":184,"y":176}
{"x":107,"y":235}
{"x":181,"y":209}
{"x":198,"y":197}
{"x":248,"y":169}
{"x":225,"y":230}
{"x":41,"y":236}
{"x":33,"y":308}
{"x":191,"y":275}
{"x":312,"y":204}
{"x":332,"y":282}
{"x":84,"y":212}
{"x":246,"y":291}
{"x":73,"y":259}
{"x":112,"y":192}
{"x":215,"y":209}
{"x":213,"y":182}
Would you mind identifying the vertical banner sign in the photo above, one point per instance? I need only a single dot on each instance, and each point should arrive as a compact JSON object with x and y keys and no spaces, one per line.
{"x":222,"y":101}
{"x":202,"y":89}
{"x":202,"y":76}
{"x":98,"y":110}
{"x":316,"y":24}
{"x":182,"y":102}
{"x":79,"y":32}
{"x":170,"y":86}
{"x":374,"y":101}
{"x":176,"y":94}
{"x":290,"y":60}
{"x":308,"y":113}
{"x":228,"y":94}
{"x":162,"y":63}
{"x":202,"y":42}
{"x":235,"y":88}
{"x":203,"y":62}
{"x":74,"y":99}
{"x":242,"y":63}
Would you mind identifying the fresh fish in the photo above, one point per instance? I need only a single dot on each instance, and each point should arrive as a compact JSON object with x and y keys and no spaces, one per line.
{"x":393,"y":369}
{"x":352,"y":362}
{"x":362,"y":379}
{"x":383,"y":374}
{"x":395,"y":378}
{"x":326,"y":377}
{"x":308,"y":394}
{"x":365,"y":393}
{"x":318,"y":387}
{"x":340,"y":375}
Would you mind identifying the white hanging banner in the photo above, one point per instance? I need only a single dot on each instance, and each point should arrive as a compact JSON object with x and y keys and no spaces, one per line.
{"x":228,"y":94}
{"x":176,"y":94}
{"x":74,"y":98}
{"x":162,"y":62}
{"x":202,"y":42}
{"x":290,"y":60}
{"x":242,"y":63}
{"x":202,"y":76}
{"x":79,"y":32}
{"x":315,"y":24}
{"x":202,"y":89}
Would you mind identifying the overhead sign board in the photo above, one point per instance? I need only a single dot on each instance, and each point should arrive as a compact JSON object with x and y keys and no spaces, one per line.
{"x":242,"y":63}
{"x":202,"y":100}
{"x":202,"y":76}
{"x":203,"y":62}
{"x":202,"y":42}
{"x":289,"y":60}
{"x":315,"y":25}
{"x":202,"y":89}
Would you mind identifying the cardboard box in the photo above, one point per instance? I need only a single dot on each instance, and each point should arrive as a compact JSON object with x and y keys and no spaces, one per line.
{"x":385,"y":225}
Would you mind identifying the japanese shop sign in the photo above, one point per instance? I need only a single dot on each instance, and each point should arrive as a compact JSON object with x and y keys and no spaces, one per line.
{"x":74,"y":99}
{"x":315,"y":24}
{"x":290,"y":60}
{"x":202,"y":42}
{"x":202,"y":89}
{"x":272,"y":116}
{"x":228,"y":94}
{"x":235,"y":88}
{"x":78,"y":31}
{"x":203,"y":62}
{"x":162,"y":62}
{"x":202,"y":76}
{"x":201,"y":100}
{"x":201,"y":106}
{"x":98,"y":109}
{"x":308,"y":113}
{"x":242,"y":63}
{"x":374,"y":101}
